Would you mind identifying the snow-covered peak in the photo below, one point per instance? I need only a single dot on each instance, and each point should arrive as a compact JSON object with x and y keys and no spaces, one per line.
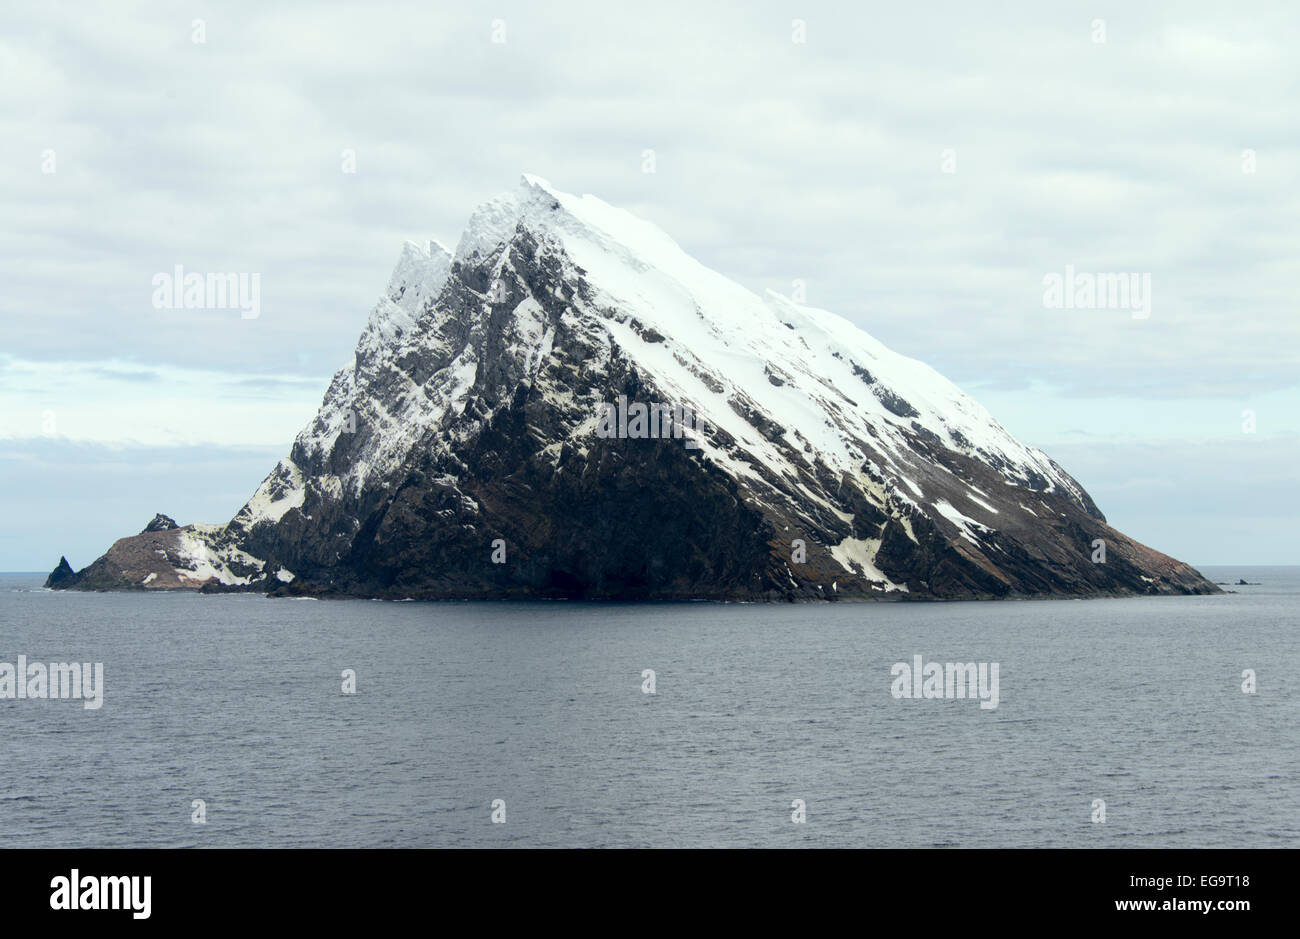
{"x":490,"y":225}
{"x":787,"y":385}
{"x":643,"y":238}
{"x":420,"y":272}
{"x":740,"y":341}
{"x":540,"y":206}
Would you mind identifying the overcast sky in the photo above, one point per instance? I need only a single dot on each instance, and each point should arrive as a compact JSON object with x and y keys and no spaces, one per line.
{"x":920,"y":168}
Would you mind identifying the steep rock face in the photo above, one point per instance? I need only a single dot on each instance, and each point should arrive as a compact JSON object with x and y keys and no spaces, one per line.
{"x":61,"y":574}
{"x":465,"y":452}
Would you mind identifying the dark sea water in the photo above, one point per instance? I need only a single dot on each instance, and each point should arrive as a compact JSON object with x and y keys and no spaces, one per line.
{"x":236,"y":700}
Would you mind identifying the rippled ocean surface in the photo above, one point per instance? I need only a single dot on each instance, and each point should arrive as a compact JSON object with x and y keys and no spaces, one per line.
{"x":237,"y":701}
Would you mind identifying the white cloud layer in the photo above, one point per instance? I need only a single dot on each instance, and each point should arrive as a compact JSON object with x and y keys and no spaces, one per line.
{"x":822,"y":161}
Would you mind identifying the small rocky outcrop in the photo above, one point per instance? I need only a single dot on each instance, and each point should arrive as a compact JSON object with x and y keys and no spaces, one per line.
{"x":61,"y":575}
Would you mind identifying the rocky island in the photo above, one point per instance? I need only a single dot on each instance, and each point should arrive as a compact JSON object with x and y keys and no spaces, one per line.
{"x":465,"y":450}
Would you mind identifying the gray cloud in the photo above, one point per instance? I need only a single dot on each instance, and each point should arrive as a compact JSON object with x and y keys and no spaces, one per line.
{"x":776,"y":161}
